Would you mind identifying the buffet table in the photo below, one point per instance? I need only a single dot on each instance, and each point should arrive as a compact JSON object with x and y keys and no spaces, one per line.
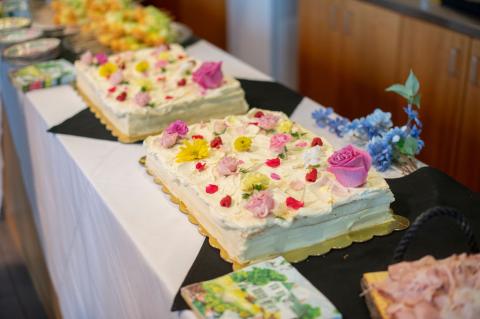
{"x":116,"y":247}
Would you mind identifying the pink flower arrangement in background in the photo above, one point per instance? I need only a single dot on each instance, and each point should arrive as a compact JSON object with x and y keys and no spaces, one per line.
{"x":350,"y":166}
{"x":209,"y":75}
{"x":179,"y":127}
{"x":278,"y":142}
{"x":261,"y":204}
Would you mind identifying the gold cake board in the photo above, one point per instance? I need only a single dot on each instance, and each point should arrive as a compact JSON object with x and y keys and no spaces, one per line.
{"x":96,"y":110}
{"x":376,"y":303}
{"x":397,"y":223}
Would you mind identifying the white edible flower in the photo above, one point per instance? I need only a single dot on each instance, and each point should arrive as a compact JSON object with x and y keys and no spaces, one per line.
{"x":313,"y":156}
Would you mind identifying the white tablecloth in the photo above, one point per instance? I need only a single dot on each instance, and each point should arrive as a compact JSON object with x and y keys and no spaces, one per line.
{"x":115,"y":246}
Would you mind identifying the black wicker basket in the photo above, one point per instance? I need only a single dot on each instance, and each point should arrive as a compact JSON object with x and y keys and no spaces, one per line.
{"x":424,"y":218}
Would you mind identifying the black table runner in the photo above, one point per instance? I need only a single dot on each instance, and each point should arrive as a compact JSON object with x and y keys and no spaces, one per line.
{"x":337,"y":274}
{"x":264,"y":94}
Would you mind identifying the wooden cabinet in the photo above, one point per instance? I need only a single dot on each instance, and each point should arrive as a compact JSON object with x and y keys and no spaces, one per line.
{"x":369,"y":53}
{"x":320,"y":47}
{"x":350,"y":51}
{"x":439,"y":58}
{"x":347,"y":54}
{"x":467,"y":151}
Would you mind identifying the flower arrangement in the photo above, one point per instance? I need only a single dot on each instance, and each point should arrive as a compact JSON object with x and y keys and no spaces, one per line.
{"x":386,"y":144}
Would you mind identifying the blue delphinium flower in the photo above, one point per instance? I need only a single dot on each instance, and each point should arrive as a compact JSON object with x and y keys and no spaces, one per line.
{"x":378,"y":123}
{"x":412,"y":116}
{"x":420,"y":146}
{"x":322,"y":116}
{"x":381,"y":152}
{"x":375,"y":124}
{"x":415,"y":131}
{"x":395,"y":135}
{"x":338,"y":125}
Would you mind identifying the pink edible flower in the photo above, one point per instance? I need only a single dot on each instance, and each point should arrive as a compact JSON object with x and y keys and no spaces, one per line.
{"x":209,"y":75}
{"x":278,"y":142}
{"x":101,"y":58}
{"x":268,"y":121}
{"x":167,"y":140}
{"x":142,"y":98}
{"x":87,"y":58}
{"x":301,"y":144}
{"x":227,"y":166}
{"x":275,"y":176}
{"x":261,"y":204}
{"x":116,"y":78}
{"x":219,"y":127}
{"x":179,"y":127}
{"x":160,"y":64}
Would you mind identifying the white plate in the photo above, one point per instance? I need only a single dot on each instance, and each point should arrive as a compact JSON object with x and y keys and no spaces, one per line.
{"x":32,"y":49}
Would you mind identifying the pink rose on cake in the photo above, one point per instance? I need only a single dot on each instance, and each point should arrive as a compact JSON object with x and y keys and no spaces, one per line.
{"x":268,"y":121}
{"x":179,"y":127}
{"x":209,"y":75}
{"x":278,"y":142}
{"x":167,"y":140}
{"x":261,"y":204}
{"x":228,"y":166}
{"x":142,"y":98}
{"x":350,"y":166}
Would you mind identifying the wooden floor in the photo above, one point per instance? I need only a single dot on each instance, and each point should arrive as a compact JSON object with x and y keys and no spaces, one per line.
{"x":18,"y":298}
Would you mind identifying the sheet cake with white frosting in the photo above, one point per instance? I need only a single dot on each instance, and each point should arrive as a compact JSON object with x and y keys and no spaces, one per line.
{"x":140,"y":92}
{"x":262,"y":185}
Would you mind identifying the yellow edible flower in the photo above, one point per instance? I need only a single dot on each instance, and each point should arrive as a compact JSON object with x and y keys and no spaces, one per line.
{"x":107,"y":69}
{"x":242,"y":143}
{"x":144,"y":84}
{"x":255,"y":181}
{"x":191,"y":151}
{"x":165,"y":55}
{"x":142,"y":66}
{"x":285,"y":126}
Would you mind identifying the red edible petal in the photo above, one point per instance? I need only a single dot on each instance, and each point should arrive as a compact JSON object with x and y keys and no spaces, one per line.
{"x":122,"y":96}
{"x":258,"y":114}
{"x":216,"y":142}
{"x":253,"y":123}
{"x":180,"y":56}
{"x":197,"y":137}
{"x":211,"y":188}
{"x":182,"y":82}
{"x":161,"y":78}
{"x":312,"y":175}
{"x":316,"y":141}
{"x":293,"y":203}
{"x":226,"y":201}
{"x":200,"y":166}
{"x":112,"y":89}
{"x":168,"y":97}
{"x":274,"y":162}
